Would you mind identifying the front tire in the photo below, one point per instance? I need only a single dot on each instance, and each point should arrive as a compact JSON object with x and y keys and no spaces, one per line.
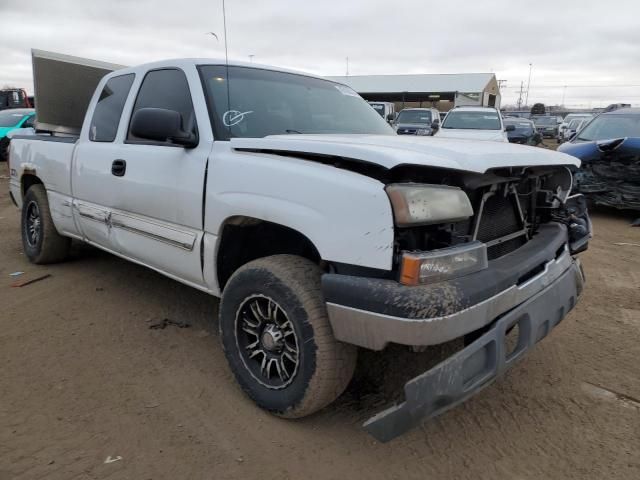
{"x":41,"y":241}
{"x":278,"y":340}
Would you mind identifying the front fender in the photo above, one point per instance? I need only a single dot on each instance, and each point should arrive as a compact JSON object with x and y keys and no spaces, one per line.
{"x":347,"y":216}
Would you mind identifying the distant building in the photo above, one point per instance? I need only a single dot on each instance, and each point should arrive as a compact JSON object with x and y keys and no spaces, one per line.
{"x":443,"y":91}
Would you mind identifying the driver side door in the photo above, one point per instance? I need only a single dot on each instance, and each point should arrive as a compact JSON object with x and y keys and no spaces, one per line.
{"x":156,"y":217}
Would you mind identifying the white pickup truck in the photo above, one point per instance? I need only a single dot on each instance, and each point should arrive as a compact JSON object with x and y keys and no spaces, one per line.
{"x":321,"y":229}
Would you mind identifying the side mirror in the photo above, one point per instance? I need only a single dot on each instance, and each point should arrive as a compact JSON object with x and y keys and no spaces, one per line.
{"x":161,"y":125}
{"x":391,"y":117}
{"x":435,"y":125}
{"x":509,"y":128}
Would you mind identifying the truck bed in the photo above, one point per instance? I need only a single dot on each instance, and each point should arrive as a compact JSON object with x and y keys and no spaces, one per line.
{"x":46,"y":157}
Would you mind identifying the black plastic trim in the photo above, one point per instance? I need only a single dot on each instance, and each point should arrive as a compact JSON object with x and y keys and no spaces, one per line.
{"x":473,"y":368}
{"x":46,"y":138}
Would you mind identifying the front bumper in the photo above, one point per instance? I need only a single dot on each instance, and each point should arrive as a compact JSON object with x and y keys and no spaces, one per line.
{"x":477,"y":365}
{"x":374,"y":312}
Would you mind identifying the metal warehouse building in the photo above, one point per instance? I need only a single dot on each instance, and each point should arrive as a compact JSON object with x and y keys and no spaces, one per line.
{"x":443,"y":91}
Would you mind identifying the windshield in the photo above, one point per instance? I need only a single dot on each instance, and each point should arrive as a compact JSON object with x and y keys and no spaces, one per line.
{"x":263,"y":102}
{"x":378,"y":107}
{"x":414,"y":116}
{"x":606,"y":127}
{"x":472,"y":120}
{"x":10,"y":119}
{"x":545,"y":121}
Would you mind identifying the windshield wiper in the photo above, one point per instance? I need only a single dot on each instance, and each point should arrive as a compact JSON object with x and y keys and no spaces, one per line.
{"x":288,"y":130}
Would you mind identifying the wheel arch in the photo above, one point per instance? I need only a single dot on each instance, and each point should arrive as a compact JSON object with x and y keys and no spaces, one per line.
{"x":27,"y":181}
{"x":243,"y":239}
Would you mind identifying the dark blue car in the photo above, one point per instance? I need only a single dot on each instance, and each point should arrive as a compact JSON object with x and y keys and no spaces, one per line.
{"x":609,"y":147}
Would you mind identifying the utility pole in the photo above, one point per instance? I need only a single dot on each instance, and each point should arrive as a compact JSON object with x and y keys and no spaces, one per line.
{"x":526,"y":100}
{"x":347,"y":66}
{"x":520,"y":96}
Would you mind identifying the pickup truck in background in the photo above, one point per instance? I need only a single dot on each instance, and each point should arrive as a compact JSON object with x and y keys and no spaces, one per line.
{"x":321,"y":230}
{"x":386,"y":110}
{"x":14,"y":98}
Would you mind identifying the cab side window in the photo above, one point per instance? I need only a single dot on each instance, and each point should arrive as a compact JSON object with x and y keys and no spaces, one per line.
{"x":106,"y":116}
{"x":167,"y":89}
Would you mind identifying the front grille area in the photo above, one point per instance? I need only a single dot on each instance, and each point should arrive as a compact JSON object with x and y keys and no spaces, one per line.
{"x":501,"y":249}
{"x":499,"y":217}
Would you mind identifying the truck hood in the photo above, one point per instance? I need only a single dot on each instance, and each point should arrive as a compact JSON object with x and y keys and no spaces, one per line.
{"x":489,"y":135}
{"x":392,"y":150}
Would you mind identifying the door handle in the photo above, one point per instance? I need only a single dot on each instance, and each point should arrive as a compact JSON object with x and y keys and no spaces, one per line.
{"x":118,"y":168}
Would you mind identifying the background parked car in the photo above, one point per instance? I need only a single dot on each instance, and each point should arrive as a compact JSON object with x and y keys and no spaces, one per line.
{"x":615,"y":106}
{"x":546,"y":125}
{"x":474,"y":123}
{"x":609,"y":147}
{"x":10,"y":120}
{"x":574,"y":126}
{"x":524,"y":131}
{"x":568,"y":118}
{"x":417,"y":121}
{"x":14,"y":98}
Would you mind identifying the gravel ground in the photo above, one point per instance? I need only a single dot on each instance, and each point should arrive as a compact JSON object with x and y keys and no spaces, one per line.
{"x":89,"y":391}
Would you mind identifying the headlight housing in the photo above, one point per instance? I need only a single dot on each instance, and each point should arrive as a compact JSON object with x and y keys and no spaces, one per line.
{"x":443,"y":264}
{"x":419,"y":204}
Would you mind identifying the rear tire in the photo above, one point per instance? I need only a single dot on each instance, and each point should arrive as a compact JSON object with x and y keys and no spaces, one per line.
{"x":40,"y":240}
{"x":278,"y":340}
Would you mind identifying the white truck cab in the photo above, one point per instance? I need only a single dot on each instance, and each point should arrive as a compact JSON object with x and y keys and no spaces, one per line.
{"x":386,"y":110}
{"x":473,"y":123}
{"x":321,"y":230}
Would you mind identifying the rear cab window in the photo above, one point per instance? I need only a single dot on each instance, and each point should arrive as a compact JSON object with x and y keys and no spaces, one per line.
{"x":108,"y":110}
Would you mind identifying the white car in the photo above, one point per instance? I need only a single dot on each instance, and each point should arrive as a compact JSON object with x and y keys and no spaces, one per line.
{"x":474,"y":123}
{"x":321,"y":229}
{"x":567,"y":119}
{"x":573,"y":127}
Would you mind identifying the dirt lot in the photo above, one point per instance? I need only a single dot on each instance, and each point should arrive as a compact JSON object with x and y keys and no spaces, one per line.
{"x":89,"y":391}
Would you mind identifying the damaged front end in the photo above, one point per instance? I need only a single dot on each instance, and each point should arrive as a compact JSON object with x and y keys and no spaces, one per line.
{"x":610,"y":173}
{"x":530,"y":228}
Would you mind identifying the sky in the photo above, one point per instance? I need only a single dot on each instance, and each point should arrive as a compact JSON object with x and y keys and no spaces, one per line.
{"x":589,"y":46}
